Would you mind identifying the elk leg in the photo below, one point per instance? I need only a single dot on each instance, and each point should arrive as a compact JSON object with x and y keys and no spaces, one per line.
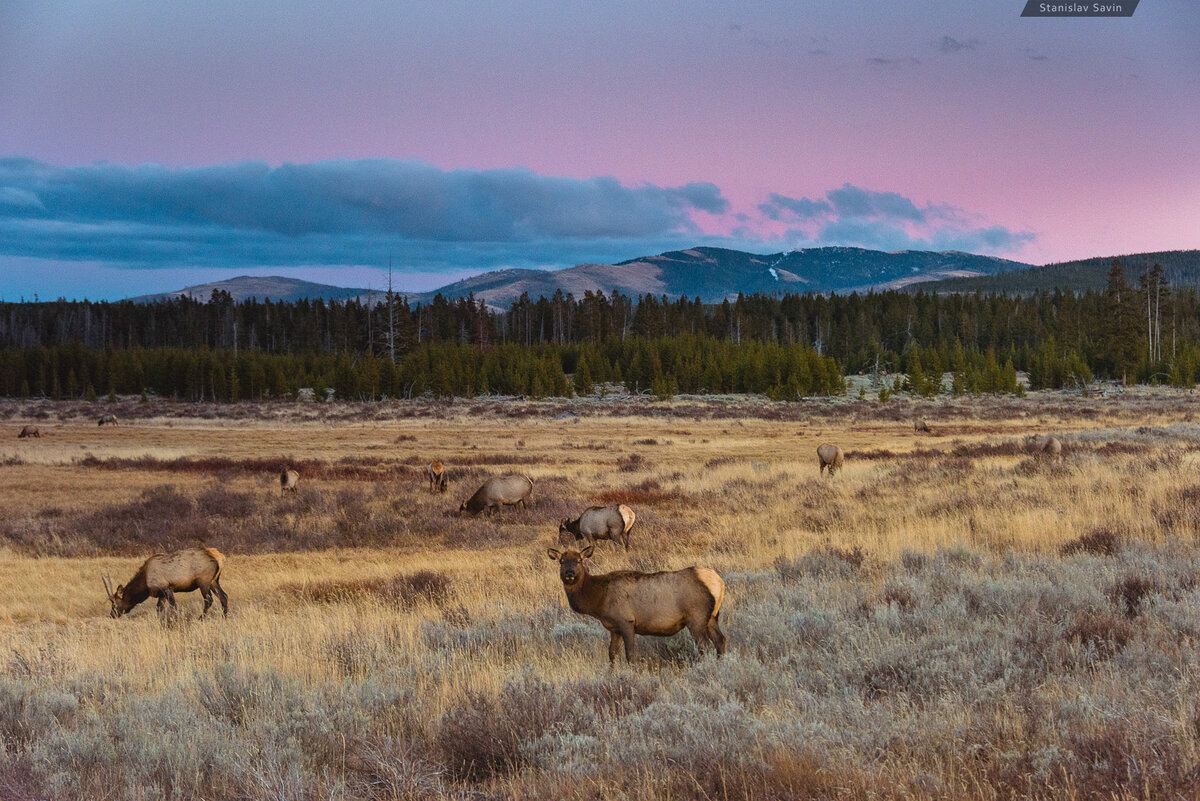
{"x":614,"y":643}
{"x":627,"y":635}
{"x":170,"y":593}
{"x":222,"y":597}
{"x":206,"y":593}
{"x":715,"y":634}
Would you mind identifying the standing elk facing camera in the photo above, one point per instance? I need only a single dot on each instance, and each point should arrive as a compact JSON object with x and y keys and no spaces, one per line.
{"x":507,"y":490}
{"x":628,"y":603}
{"x":288,"y":480}
{"x":436,"y":473}
{"x":163,"y":575}
{"x":830,"y":456}
{"x":107,"y":420}
{"x":601,"y":523}
{"x":29,"y":431}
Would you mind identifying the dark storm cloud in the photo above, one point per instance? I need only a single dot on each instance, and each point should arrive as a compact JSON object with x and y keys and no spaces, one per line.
{"x":322,"y":212}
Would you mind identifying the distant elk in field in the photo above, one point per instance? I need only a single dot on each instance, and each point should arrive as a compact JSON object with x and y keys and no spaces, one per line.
{"x":628,"y":603}
{"x":1051,"y":448}
{"x":922,"y":426}
{"x":288,"y":480}
{"x":601,"y":523}
{"x":163,"y":575}
{"x":830,"y":456}
{"x":29,"y":431}
{"x":435,"y":471}
{"x":107,"y":420}
{"x":512,"y":489}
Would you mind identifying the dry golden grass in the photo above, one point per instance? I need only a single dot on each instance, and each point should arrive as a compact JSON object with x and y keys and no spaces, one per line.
{"x":949,"y":617}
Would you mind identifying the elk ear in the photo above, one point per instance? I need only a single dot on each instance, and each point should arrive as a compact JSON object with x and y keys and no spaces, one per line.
{"x":586,"y":553}
{"x":553,"y":554}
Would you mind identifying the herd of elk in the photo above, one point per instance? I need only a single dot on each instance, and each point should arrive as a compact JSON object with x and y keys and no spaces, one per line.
{"x":164,"y":574}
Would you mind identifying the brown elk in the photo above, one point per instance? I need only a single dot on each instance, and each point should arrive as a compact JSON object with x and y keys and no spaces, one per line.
{"x":830,"y":456}
{"x":107,"y":420}
{"x":1051,"y":448}
{"x":922,"y":426}
{"x":288,"y":480}
{"x":29,"y":431}
{"x":163,"y":575}
{"x":512,"y":489}
{"x":628,"y":603}
{"x":435,"y":471}
{"x":601,"y":523}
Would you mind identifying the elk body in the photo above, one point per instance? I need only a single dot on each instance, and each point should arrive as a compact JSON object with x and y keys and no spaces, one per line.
{"x":601,"y":523}
{"x":288,"y":480}
{"x":436,"y":473}
{"x":29,"y":431}
{"x":922,"y":426}
{"x":830,"y":456}
{"x":107,"y":420}
{"x":628,"y":603}
{"x":512,"y":489}
{"x":164,"y":574}
{"x":1051,"y":448}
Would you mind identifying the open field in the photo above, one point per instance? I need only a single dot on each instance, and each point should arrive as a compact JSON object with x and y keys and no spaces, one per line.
{"x":949,"y":617}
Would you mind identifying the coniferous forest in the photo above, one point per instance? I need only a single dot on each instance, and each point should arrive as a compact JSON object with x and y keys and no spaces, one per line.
{"x":786,"y":347}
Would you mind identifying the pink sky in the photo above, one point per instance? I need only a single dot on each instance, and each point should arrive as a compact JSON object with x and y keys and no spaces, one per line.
{"x":1076,"y":136}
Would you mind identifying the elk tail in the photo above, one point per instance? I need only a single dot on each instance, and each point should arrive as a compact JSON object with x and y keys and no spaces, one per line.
{"x":217,"y":557}
{"x":628,"y":517}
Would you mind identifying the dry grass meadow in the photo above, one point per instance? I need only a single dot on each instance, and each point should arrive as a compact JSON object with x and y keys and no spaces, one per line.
{"x":948,"y":618}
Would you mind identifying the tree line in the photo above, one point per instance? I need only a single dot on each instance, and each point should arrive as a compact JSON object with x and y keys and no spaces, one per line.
{"x":786,"y":347}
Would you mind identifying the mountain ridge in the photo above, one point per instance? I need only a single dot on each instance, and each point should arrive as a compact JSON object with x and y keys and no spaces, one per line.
{"x":712,"y":274}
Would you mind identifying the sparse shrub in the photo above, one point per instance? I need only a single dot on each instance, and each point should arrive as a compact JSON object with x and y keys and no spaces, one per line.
{"x":1098,"y":542}
{"x":482,"y":736}
{"x":632,"y":463}
{"x":1102,"y":631}
{"x":425,"y":586}
{"x":1129,"y":593}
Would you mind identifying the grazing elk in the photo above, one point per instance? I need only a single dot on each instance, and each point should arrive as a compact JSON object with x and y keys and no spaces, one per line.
{"x":107,"y":420}
{"x":628,"y":603}
{"x":831,"y":456}
{"x":29,"y":431}
{"x":512,"y":489}
{"x":1051,"y":448}
{"x":435,"y":471}
{"x":163,"y":575}
{"x":601,"y":523}
{"x":922,"y":426}
{"x":288,"y":480}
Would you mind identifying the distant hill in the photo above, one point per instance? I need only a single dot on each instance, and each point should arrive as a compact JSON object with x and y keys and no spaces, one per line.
{"x":714,"y":274}
{"x":1182,"y":268}
{"x":244,"y":287}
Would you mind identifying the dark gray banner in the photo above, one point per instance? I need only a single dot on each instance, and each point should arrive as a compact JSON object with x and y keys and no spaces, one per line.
{"x":1092,"y":8}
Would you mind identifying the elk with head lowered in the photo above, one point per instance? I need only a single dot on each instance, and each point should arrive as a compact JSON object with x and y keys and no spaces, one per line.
{"x":512,"y":489}
{"x":600,"y":523}
{"x":164,"y":574}
{"x":628,"y":603}
{"x":288,"y":480}
{"x":435,"y":471}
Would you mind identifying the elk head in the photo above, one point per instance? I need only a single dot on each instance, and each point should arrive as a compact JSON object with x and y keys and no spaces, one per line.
{"x":570,"y":563}
{"x":115,"y":597}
